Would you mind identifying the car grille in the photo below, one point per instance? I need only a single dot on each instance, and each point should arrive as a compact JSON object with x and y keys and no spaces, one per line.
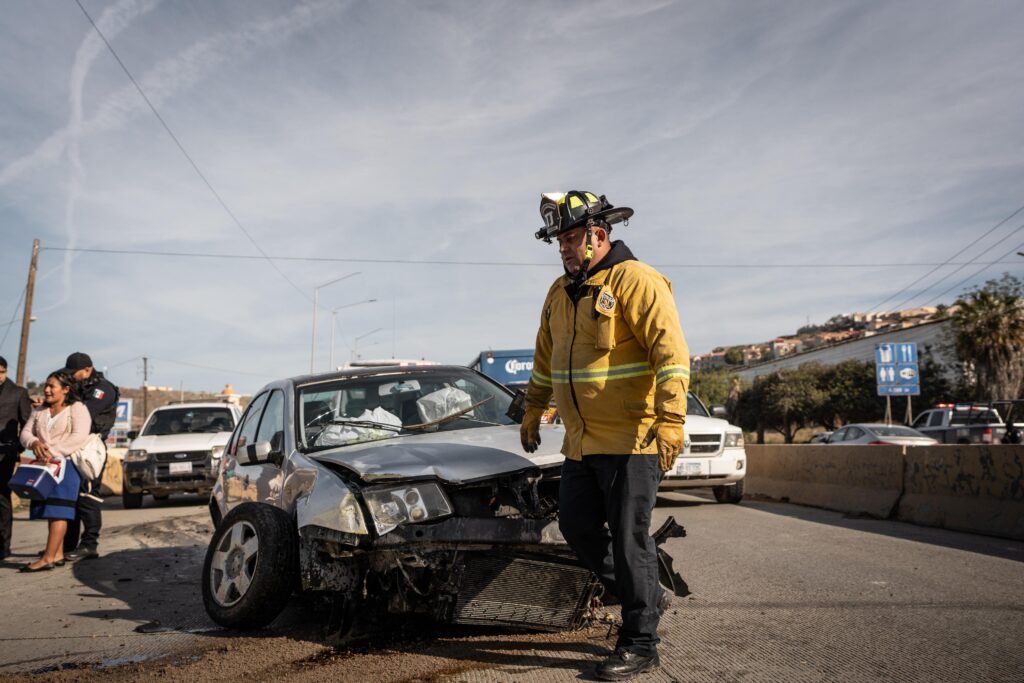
{"x":705,"y":443}
{"x":492,"y":593}
{"x":175,"y":456}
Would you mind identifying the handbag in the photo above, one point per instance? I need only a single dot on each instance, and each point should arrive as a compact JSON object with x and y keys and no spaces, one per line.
{"x":37,"y":482}
{"x":90,"y":458}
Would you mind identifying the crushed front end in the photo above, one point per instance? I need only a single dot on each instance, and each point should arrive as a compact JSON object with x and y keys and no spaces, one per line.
{"x":497,"y":557}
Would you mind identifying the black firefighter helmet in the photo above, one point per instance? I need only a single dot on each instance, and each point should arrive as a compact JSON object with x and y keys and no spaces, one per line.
{"x":563,"y":211}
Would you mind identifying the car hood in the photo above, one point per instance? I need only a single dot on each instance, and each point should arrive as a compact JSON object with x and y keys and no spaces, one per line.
{"x":456,"y":457}
{"x":698,"y":424}
{"x":180,"y":442}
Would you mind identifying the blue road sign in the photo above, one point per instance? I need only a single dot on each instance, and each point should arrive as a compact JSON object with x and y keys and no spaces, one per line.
{"x":896,"y":369}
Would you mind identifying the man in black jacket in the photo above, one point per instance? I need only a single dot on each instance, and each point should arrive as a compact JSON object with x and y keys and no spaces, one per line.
{"x":100,"y":397}
{"x":15,"y":409}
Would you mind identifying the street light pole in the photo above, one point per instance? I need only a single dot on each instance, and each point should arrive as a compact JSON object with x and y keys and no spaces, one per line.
{"x":355,"y":342}
{"x":316,"y":300}
{"x":334,"y":319}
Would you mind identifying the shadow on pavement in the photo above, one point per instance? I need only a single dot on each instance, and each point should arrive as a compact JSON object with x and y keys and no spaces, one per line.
{"x":160,"y":589}
{"x":985,"y":545}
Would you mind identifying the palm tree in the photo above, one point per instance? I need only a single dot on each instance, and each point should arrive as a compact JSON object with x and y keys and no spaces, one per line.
{"x":988,"y":332}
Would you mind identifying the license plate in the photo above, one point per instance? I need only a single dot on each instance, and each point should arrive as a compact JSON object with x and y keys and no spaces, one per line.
{"x":690,"y":468}
{"x":181,"y":468}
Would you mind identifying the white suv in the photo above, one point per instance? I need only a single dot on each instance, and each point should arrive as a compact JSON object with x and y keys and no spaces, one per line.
{"x":179,"y":450}
{"x":712,"y":456}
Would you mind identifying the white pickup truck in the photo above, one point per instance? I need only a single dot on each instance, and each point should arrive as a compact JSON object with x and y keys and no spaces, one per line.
{"x":712,"y":456}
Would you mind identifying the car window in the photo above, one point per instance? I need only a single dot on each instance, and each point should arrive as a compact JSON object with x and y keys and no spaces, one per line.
{"x":189,"y":420}
{"x":272,"y":423}
{"x":838,"y":435}
{"x":854,"y":433}
{"x":250,"y":421}
{"x":695,"y":407}
{"x":896,"y":430}
{"x":936,"y":419}
{"x":388,"y":404}
{"x":922,"y":419}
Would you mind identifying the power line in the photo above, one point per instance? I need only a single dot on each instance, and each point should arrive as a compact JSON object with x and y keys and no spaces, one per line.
{"x":184,"y":152}
{"x":947,"y":262}
{"x":961,"y":267}
{"x":972,"y":275}
{"x":210,"y":367}
{"x":10,"y":324}
{"x":521,"y":264}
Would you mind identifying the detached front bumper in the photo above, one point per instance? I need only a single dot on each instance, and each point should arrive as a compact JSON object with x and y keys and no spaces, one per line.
{"x":163,"y":473}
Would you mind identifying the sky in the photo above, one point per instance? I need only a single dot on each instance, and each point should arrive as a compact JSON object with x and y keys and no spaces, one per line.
{"x":761,"y":144}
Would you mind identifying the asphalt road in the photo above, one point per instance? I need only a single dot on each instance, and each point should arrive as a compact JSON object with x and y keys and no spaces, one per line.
{"x":781,"y":593}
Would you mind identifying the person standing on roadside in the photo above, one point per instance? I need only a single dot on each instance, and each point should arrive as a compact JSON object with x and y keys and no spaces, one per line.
{"x":611,"y":351}
{"x":15,"y":410}
{"x":100,"y":397}
{"x":55,"y":431}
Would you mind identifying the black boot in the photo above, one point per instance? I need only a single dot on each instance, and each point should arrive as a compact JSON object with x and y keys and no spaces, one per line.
{"x":622,"y":665}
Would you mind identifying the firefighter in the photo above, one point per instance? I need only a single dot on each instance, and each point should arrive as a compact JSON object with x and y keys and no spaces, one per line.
{"x":611,"y":351}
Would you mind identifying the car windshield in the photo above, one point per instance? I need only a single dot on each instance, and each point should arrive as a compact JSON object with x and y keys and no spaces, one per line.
{"x":896,"y":431}
{"x":695,"y":407}
{"x":189,"y":421}
{"x":386,"y":405}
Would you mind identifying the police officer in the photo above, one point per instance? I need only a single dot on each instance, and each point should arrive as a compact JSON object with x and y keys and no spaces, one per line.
{"x":15,"y":410}
{"x":611,"y":350}
{"x":100,"y":397}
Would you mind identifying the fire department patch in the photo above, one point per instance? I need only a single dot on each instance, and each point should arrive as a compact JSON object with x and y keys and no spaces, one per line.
{"x":606,"y":302}
{"x":98,"y":394}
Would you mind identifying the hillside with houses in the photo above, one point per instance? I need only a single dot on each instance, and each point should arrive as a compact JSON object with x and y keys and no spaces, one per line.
{"x":839,"y":328}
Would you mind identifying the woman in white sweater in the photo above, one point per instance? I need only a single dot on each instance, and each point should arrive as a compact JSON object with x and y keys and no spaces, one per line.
{"x":55,"y":431}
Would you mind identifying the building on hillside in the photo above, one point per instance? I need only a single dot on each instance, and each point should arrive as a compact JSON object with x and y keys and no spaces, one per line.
{"x":929,"y":336}
{"x":708,"y":361}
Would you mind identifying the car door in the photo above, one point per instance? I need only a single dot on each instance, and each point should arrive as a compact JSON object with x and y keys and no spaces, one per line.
{"x":837,"y":436}
{"x":263,"y":421}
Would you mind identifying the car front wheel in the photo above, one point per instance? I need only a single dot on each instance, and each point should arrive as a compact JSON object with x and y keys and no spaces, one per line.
{"x":729,"y":494}
{"x":251,"y":567}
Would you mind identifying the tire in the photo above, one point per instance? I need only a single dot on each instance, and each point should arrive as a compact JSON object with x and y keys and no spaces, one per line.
{"x":729,"y":494}
{"x":132,"y":501}
{"x":251,"y":567}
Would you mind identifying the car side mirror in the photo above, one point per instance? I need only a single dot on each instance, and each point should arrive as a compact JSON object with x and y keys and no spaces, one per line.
{"x":258,"y":453}
{"x":133,"y":434}
{"x":718,"y":411}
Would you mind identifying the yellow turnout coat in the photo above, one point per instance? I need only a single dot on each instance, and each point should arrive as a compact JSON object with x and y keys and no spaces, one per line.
{"x":615,"y":358}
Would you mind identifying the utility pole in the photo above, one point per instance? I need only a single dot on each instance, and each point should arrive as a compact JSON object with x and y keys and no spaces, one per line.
{"x":26,"y":319}
{"x":145,"y":388}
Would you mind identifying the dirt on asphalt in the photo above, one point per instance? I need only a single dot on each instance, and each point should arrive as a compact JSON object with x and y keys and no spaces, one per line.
{"x":438,"y":654}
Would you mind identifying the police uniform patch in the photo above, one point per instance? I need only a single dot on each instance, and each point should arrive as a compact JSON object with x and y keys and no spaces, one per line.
{"x":97,"y":394}
{"x":606,"y":302}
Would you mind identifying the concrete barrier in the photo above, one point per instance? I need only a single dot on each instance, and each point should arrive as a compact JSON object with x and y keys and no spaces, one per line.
{"x":979,"y":489}
{"x":966,"y":488}
{"x":864,"y":480}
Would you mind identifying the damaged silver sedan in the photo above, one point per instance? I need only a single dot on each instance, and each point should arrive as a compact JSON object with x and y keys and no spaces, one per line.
{"x":394,"y":490}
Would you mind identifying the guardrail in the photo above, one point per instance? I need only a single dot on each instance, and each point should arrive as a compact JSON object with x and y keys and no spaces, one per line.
{"x":979,"y":489}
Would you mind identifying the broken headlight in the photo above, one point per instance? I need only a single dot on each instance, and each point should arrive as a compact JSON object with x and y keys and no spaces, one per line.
{"x":413,"y":503}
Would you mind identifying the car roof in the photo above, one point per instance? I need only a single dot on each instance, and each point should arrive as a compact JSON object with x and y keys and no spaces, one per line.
{"x":196,"y":404}
{"x":377,"y":370}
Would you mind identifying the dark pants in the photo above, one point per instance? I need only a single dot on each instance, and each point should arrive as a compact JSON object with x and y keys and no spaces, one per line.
{"x":88,"y":514}
{"x":8,"y":459}
{"x":617,"y":490}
